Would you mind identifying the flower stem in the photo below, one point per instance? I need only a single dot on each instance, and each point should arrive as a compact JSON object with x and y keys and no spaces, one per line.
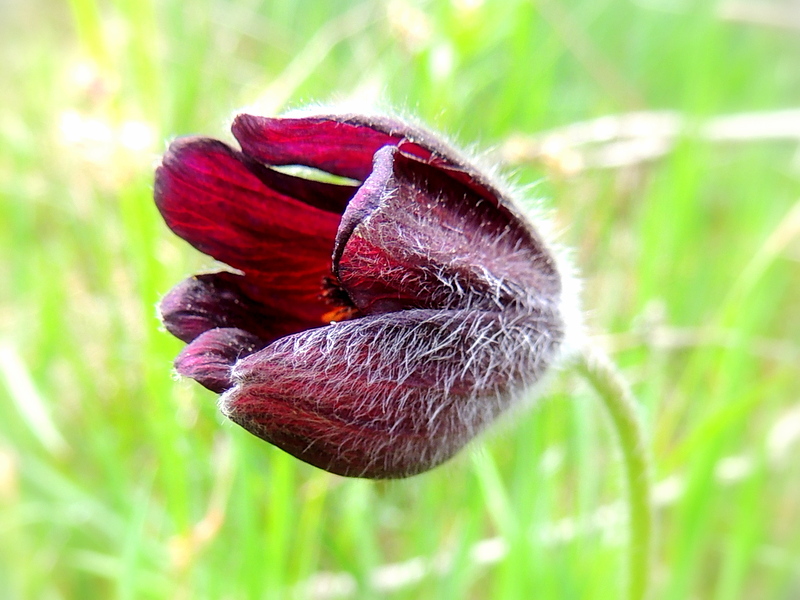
{"x":616,"y":394}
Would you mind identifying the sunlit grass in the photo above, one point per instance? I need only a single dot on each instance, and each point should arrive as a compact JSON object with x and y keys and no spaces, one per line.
{"x":117,"y":481}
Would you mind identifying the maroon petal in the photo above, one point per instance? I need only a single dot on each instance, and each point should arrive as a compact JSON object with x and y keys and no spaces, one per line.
{"x":392,"y":395}
{"x":209,"y":358}
{"x":328,"y":143}
{"x":217,"y":300}
{"x":345,"y":144}
{"x":413,"y":237}
{"x":217,"y":200}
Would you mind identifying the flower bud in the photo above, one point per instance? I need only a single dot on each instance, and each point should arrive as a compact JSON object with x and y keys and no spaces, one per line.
{"x":371,"y":329}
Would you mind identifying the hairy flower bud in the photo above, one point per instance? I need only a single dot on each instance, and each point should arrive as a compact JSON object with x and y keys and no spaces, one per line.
{"x":372,"y":329}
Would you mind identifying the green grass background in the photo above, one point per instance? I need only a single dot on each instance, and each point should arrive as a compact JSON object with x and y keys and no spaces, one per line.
{"x":117,"y":481}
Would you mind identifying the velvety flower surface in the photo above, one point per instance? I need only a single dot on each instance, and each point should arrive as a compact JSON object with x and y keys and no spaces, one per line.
{"x":370,"y":329}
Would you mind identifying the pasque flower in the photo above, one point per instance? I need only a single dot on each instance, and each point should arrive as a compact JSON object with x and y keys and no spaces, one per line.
{"x":371,"y":327}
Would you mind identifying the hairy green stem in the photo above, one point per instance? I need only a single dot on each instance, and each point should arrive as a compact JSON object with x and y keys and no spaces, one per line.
{"x":621,"y":406}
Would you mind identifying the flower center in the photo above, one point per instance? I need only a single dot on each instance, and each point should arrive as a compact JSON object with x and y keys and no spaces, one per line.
{"x":333,"y":294}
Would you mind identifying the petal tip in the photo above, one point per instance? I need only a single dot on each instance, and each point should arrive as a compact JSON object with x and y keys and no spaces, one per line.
{"x":211,"y":357}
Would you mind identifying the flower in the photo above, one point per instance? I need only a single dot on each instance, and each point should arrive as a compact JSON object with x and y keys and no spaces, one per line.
{"x":372,"y":327}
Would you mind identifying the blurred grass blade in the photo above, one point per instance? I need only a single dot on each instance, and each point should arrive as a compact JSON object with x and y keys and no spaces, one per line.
{"x":31,"y":406}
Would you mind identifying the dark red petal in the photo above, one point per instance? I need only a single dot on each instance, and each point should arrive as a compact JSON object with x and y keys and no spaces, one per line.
{"x":345,"y":144}
{"x":217,"y":300}
{"x":327,"y":143}
{"x":217,"y":200}
{"x":209,"y":358}
{"x":392,"y":395}
{"x":413,"y":237}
